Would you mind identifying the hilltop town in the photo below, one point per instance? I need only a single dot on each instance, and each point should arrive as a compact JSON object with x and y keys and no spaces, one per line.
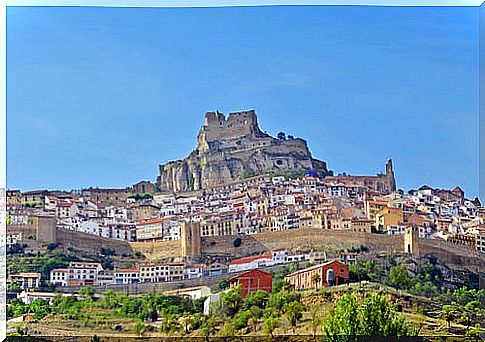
{"x":242,"y":203}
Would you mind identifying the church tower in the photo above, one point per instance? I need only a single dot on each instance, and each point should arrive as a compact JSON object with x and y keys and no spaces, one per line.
{"x":390,"y":176}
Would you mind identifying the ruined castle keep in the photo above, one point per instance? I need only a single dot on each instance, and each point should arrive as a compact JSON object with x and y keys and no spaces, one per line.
{"x":232,"y":148}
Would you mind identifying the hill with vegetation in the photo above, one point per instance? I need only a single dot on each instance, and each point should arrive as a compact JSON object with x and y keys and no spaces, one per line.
{"x":400,"y":305}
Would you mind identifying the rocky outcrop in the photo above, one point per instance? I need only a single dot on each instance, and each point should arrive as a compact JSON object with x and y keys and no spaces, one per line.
{"x":235,"y":148}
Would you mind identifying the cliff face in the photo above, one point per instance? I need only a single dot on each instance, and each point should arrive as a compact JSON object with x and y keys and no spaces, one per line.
{"x":234,"y":148}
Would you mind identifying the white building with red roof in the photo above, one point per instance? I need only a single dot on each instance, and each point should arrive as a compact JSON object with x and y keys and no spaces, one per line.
{"x":249,"y":263}
{"x":160,"y":229}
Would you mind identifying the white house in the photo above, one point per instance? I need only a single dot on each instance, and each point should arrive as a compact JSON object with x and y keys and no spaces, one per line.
{"x":193,"y":271}
{"x":105,"y":277}
{"x":29,"y":297}
{"x":192,"y":292}
{"x":208,"y":303}
{"x":65,"y":209}
{"x":280,"y":255}
{"x":77,"y":273}
{"x":127,"y":276}
{"x":396,"y":230}
{"x":298,"y":257}
{"x":59,"y":277}
{"x":153,"y":273}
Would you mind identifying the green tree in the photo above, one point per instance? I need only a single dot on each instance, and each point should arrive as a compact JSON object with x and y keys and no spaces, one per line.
{"x":209,"y":326}
{"x":39,"y":308}
{"x":399,"y":277}
{"x":228,"y":329}
{"x":293,"y":312}
{"x":315,"y":319}
{"x":241,"y":319}
{"x":257,"y":298}
{"x":256,"y":313}
{"x":14,"y":287}
{"x":170,"y":325}
{"x":223,"y":284}
{"x":373,"y":317}
{"x":187,"y":322}
{"x":16,"y":308}
{"x":87,"y":293}
{"x":139,"y":328}
{"x":277,"y":300}
{"x":364,"y":270}
{"x":426,"y":288}
{"x":430,"y":272}
{"x":473,"y":306}
{"x":343,"y":321}
{"x":474,"y":332}
{"x":232,"y":301}
{"x":270,"y":324}
{"x":378,"y":318}
{"x":279,"y":285}
{"x":449,"y":312}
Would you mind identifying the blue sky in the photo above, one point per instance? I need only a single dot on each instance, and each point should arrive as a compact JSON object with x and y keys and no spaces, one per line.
{"x":101,"y":96}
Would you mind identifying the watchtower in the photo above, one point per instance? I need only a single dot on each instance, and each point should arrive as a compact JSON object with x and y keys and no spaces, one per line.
{"x":411,"y":241}
{"x":190,"y":240}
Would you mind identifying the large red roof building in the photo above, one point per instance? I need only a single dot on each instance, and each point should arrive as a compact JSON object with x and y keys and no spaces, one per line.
{"x":252,"y":281}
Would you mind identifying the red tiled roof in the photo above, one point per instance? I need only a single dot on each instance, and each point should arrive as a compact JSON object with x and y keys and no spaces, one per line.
{"x":255,"y":270}
{"x":249,"y":259}
{"x":157,"y":220}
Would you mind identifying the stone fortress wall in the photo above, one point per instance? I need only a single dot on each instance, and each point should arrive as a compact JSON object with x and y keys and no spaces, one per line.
{"x":304,"y":240}
{"x":237,"y":124}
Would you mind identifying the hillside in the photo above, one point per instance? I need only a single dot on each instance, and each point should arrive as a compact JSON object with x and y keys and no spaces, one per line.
{"x":421,"y":315}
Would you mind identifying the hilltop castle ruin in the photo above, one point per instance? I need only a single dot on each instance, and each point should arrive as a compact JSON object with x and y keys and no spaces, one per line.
{"x":232,"y":148}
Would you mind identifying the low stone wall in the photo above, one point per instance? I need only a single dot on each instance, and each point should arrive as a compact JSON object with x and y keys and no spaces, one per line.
{"x":159,"y":250}
{"x":90,"y":243}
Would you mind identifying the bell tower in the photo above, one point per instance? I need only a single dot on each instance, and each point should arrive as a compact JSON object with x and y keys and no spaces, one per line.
{"x":390,"y":175}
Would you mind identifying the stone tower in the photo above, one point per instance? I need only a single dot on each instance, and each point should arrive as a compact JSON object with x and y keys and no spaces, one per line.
{"x":411,"y":241}
{"x":390,"y":175}
{"x":190,"y":240}
{"x":46,"y":228}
